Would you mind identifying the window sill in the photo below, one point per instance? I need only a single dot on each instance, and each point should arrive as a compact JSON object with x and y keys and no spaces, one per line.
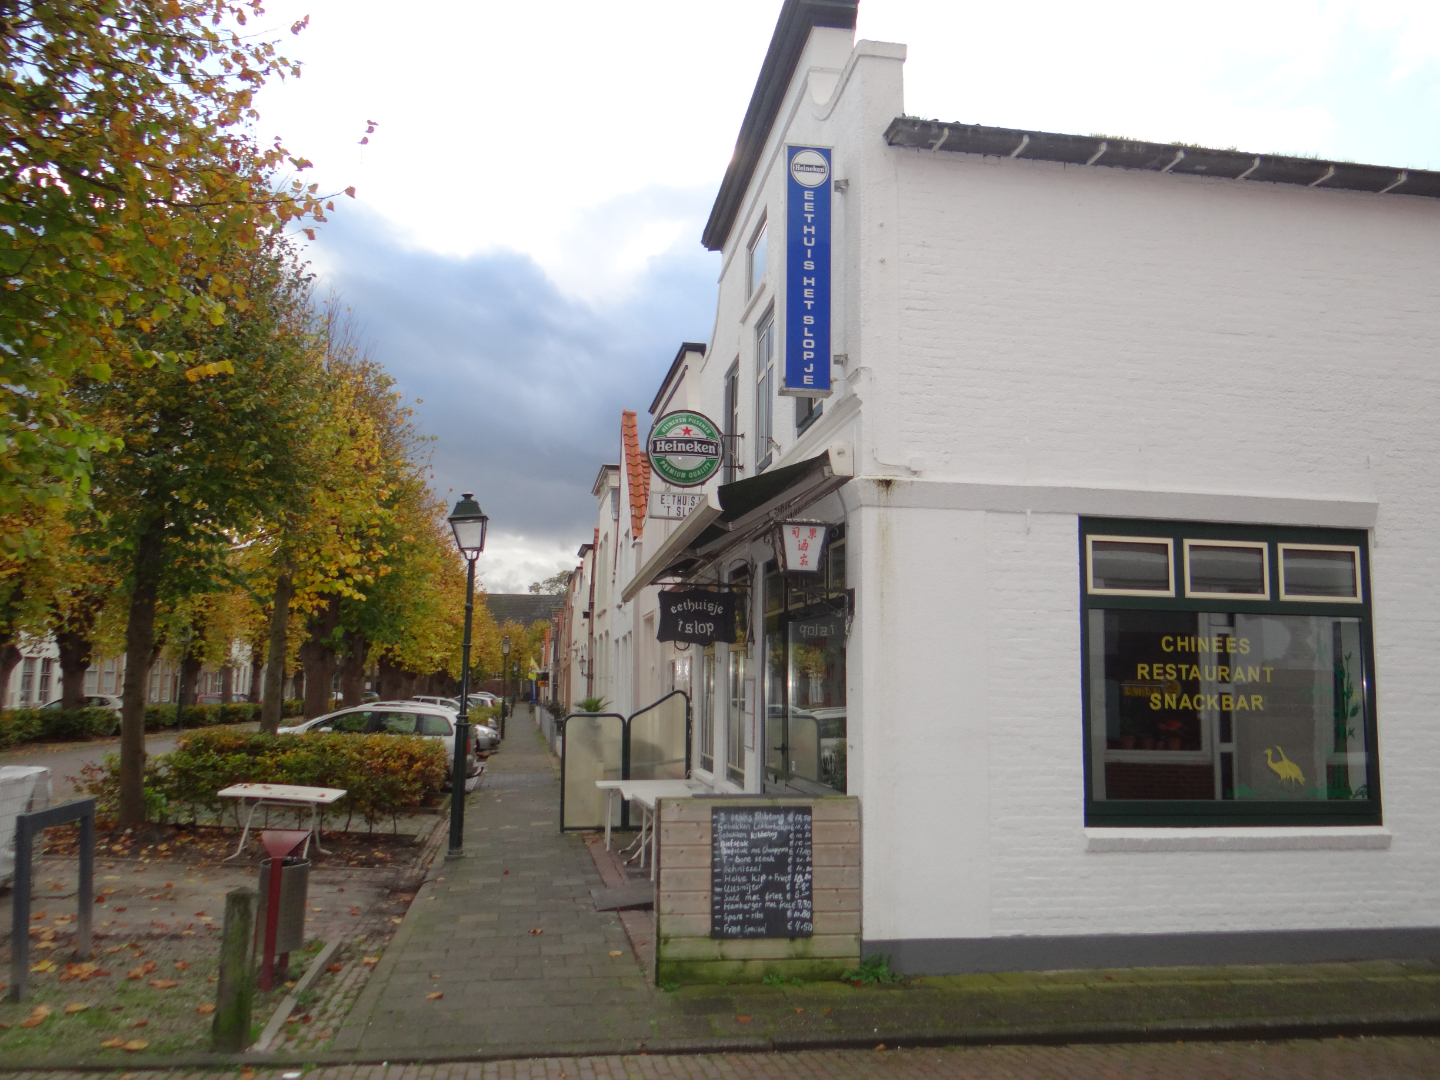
{"x":1265,"y":838}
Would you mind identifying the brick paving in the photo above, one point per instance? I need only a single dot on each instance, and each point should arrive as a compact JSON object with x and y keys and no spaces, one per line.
{"x":1331,"y":1059}
{"x":509,"y":935}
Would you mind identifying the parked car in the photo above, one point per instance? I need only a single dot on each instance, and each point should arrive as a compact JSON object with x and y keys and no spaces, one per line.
{"x":90,"y":701}
{"x":448,"y":702}
{"x":95,"y":701}
{"x":482,"y":699}
{"x":396,"y":718}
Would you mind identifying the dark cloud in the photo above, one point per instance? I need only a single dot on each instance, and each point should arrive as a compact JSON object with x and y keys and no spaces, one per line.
{"x":522,"y":385}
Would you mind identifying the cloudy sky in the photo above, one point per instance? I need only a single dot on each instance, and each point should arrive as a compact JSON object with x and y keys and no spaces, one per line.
{"x":524,"y":253}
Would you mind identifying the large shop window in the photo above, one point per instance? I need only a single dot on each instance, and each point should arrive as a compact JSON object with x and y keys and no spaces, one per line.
{"x":806,"y":616}
{"x":1228,"y":675}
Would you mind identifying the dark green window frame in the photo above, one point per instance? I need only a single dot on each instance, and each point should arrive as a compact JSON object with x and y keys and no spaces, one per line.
{"x":1196,"y":813}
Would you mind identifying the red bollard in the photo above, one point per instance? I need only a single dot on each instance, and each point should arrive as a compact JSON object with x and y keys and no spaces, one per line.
{"x":278,"y":843}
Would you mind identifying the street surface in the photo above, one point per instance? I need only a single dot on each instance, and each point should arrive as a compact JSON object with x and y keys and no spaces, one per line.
{"x":1331,"y":1059}
{"x":65,"y":759}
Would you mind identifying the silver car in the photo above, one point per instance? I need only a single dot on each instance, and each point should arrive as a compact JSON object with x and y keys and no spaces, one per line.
{"x":393,"y":718}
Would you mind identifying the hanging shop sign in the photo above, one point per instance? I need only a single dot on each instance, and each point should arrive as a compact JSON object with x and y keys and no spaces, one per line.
{"x":685,"y":448}
{"x":673,"y":504}
{"x":697,"y":616}
{"x":807,"y":273}
{"x":803,"y":542}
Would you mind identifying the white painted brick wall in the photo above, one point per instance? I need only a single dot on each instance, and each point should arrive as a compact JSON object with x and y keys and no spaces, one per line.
{"x":1027,"y":324}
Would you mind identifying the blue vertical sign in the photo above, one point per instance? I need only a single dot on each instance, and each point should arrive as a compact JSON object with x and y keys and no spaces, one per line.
{"x":807,"y":273}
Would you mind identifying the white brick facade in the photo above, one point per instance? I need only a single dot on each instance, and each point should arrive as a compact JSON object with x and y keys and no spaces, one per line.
{"x":1027,"y":343}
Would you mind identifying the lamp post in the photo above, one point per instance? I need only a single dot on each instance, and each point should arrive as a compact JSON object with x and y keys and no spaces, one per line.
{"x":504,"y":681}
{"x":468,"y":523}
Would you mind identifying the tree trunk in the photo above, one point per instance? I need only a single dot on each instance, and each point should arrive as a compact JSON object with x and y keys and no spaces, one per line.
{"x":257,"y":665}
{"x":297,"y":685}
{"x":9,"y":657}
{"x":274,"y":694}
{"x":390,"y":676}
{"x":190,"y":677}
{"x":139,"y":640}
{"x":407,"y":685}
{"x":352,"y":668}
{"x":75,"y":650}
{"x":317,"y":654}
{"x":227,"y":684}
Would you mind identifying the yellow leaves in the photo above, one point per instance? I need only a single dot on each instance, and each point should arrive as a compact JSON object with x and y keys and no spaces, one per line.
{"x":206,"y":371}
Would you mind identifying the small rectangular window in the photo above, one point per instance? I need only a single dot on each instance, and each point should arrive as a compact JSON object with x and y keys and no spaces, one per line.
{"x":1222,"y":569}
{"x":1130,"y":566}
{"x":732,"y":424}
{"x":764,"y":389}
{"x":1319,"y":572}
{"x":807,"y":411}
{"x":758,"y":251}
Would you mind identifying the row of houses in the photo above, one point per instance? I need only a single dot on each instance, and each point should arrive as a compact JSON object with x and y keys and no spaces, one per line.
{"x":1122,"y":459}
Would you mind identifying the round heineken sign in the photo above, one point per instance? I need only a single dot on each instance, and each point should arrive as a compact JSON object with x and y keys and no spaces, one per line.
{"x":685,"y":448}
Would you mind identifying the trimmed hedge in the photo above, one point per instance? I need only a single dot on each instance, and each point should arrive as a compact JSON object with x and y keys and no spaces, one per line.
{"x":383,"y":774}
{"x":19,"y":726}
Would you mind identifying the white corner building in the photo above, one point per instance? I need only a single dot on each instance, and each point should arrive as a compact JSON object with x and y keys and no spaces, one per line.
{"x":1127,"y":481}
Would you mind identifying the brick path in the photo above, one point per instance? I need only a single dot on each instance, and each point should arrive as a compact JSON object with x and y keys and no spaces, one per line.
{"x":1331,"y":1059}
{"x":469,"y":935}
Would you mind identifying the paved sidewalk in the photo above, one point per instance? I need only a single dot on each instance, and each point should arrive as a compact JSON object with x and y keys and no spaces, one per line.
{"x":526,"y":966}
{"x":1331,"y":1059}
{"x":509,"y":935}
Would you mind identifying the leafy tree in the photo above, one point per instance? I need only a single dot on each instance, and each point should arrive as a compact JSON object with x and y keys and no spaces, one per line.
{"x":128,"y":181}
{"x":208,"y":452}
{"x":554,"y":585}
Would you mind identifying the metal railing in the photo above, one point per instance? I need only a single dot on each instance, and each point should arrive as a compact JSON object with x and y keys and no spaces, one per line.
{"x":603,"y":746}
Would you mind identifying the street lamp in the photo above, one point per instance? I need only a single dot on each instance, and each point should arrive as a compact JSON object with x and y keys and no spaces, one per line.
{"x":468,"y":523}
{"x":504,"y":680}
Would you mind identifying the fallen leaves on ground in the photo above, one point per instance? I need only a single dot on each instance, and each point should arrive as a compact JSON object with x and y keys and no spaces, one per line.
{"x":76,"y":1006}
{"x":135,"y":1045}
{"x":182,"y":965}
{"x":113,"y":1044}
{"x":82,"y":972}
{"x":144,"y":969}
{"x":164,"y":984}
{"x":396,"y":919}
{"x":616,"y":952}
{"x":37,"y":1016}
{"x":206,"y":1009}
{"x":743,"y":1019}
{"x":43,"y":965}
{"x":334,"y":967}
{"x":370,"y":959}
{"x":247,"y":1073}
{"x":142,"y":1022}
{"x":354,"y":911}
{"x":436,"y":996}
{"x":537,"y":931}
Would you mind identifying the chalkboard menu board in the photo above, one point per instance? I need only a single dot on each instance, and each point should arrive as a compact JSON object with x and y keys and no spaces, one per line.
{"x":761,"y":870}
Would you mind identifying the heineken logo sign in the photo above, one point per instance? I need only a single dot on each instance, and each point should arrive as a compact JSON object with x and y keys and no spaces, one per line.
{"x":685,"y":448}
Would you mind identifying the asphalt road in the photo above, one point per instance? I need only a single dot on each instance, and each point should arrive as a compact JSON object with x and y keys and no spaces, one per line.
{"x":66,"y":759}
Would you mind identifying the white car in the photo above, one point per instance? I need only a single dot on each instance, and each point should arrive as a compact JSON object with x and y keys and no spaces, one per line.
{"x":95,"y":701}
{"x":394,"y":718}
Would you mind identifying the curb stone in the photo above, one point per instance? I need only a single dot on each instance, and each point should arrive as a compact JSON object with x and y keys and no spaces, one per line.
{"x":1239,"y":1030}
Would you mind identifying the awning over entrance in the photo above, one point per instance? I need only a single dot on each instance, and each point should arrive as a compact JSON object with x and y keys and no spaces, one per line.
{"x":737,"y":512}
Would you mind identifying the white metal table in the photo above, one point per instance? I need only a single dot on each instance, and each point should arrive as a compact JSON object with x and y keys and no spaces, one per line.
{"x":22,"y":788}
{"x":645,"y":794}
{"x":286,"y":795}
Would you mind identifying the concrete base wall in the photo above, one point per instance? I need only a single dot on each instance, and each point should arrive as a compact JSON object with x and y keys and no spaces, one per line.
{"x":961,"y":956}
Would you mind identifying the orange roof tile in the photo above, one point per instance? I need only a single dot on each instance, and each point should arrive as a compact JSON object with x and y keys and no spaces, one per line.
{"x":637,"y":472}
